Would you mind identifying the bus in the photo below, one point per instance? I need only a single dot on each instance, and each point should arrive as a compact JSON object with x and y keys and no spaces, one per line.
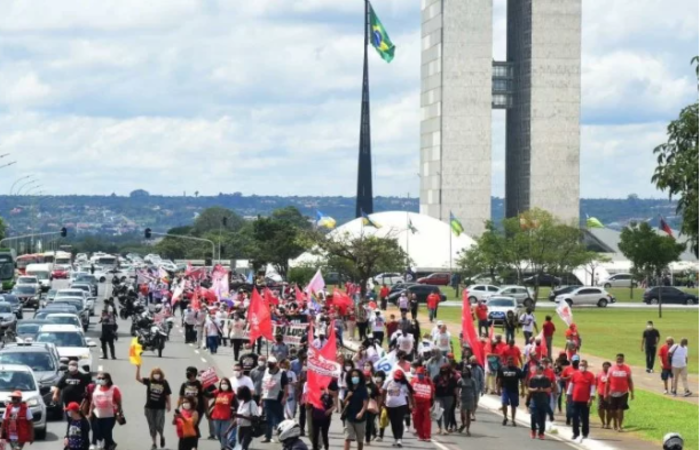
{"x":59,"y":258}
{"x":23,"y":261}
{"x":7,"y":270}
{"x":104,"y":260}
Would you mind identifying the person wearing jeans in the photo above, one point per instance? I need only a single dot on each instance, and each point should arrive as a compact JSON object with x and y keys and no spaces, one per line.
{"x":213,"y":333}
{"x":274,"y":396}
{"x":650,"y":340}
{"x":679,"y":366}
{"x":105,"y":403}
{"x":445,"y":394}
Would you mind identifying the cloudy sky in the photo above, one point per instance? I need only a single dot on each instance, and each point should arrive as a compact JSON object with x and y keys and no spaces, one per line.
{"x":263,"y":96}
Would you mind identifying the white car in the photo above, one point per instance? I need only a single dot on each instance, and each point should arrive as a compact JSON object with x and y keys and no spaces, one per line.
{"x":70,"y":342}
{"x":64,"y":319}
{"x":618,"y":280}
{"x":68,"y":293}
{"x":523,"y":295}
{"x":586,"y":295}
{"x":26,"y":280}
{"x":389,"y":279}
{"x":478,"y":292}
{"x":499,"y":307}
{"x":15,"y":377}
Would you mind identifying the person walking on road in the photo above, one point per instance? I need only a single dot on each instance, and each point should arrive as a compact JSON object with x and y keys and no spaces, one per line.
{"x":378,"y":324}
{"x":221,"y":409}
{"x":190,"y":321}
{"x":583,"y":390}
{"x":17,"y":427}
{"x":650,"y":340}
{"x":601,"y":380}
{"x":481,"y":311}
{"x":548,"y":330}
{"x":273,"y":396}
{"x":237,"y":334}
{"x":445,"y":394}
{"x":423,"y":399}
{"x":77,"y":435}
{"x":539,"y":388}
{"x":213,"y":334}
{"x":247,"y":412}
{"x":72,"y":386}
{"x":185,"y":420}
{"x":468,"y":398}
{"x":529,"y":324}
{"x":619,"y":390}
{"x":679,"y":363}
{"x":665,"y":361}
{"x":398,"y":400}
{"x":354,"y":410}
{"x":193,"y":389}
{"x":240,"y":379}
{"x":108,"y":334}
{"x":106,"y":406}
{"x":157,"y":403}
{"x":508,"y":382}
{"x":321,"y":420}
{"x":256,"y":375}
{"x":432,"y":305}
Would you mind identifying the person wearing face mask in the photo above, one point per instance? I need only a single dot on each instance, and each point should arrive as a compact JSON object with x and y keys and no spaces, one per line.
{"x":279,"y":349}
{"x":193,"y":389}
{"x":72,"y":386}
{"x":619,"y":390}
{"x":274,"y":396}
{"x":566,"y":376}
{"x":185,"y":421}
{"x":249,"y":359}
{"x":157,"y":403}
{"x":539,"y":388}
{"x":348,"y":366}
{"x":354,"y":411}
{"x":478,"y":377}
{"x":398,"y":400}
{"x":372,"y":406}
{"x":423,"y":398}
{"x":224,"y":400}
{"x":582,"y":389}
{"x":468,"y":397}
{"x":257,"y":375}
{"x":105,"y":405}
{"x":290,"y":407}
{"x":237,"y":334}
{"x":240,"y":379}
{"x":77,"y":435}
{"x":17,"y":426}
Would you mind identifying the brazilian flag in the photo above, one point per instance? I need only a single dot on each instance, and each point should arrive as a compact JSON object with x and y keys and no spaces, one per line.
{"x":456,"y":225}
{"x":380,"y":40}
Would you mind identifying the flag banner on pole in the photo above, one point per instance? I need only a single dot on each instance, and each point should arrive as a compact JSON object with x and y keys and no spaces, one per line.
{"x":324,"y":220}
{"x":379,"y":37}
{"x":469,"y":332}
{"x":259,"y":318}
{"x":412,"y":228}
{"x":592,"y":222}
{"x":456,"y":225}
{"x":366,"y":221}
{"x":135,"y":351}
{"x":663,"y":226}
{"x":322,"y":367}
{"x":316,"y":284}
{"x":565,"y":313}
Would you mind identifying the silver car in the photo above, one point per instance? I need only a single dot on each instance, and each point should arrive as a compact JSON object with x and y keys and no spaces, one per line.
{"x":586,"y":295}
{"x":618,"y":280}
{"x":14,"y":377}
{"x":523,"y":295}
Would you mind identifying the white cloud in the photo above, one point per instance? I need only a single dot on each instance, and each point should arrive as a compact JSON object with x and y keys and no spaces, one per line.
{"x":23,"y":91}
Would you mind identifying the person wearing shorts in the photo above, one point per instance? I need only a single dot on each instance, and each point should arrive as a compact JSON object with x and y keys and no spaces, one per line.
{"x":508,"y":382}
{"x":666,"y":368}
{"x":619,"y":390}
{"x":601,"y":380}
{"x":355,"y":409}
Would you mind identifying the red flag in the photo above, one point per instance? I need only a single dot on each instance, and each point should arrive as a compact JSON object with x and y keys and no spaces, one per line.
{"x":259,"y":318}
{"x":270,"y":297}
{"x":469,"y":332}
{"x":663,"y":225}
{"x":299,"y":295}
{"x":322,"y":367}
{"x":543,"y":345}
{"x":342,"y":301}
{"x":195,"y":299}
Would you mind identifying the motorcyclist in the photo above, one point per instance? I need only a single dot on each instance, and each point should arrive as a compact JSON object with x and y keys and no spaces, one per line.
{"x":115,"y":280}
{"x":288,"y":432}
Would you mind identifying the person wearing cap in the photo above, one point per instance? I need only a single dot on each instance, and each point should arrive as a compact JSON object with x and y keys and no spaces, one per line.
{"x":17,"y":425}
{"x":423,"y":399}
{"x":398,"y":400}
{"x":72,"y":386}
{"x":77,"y":435}
{"x":539,"y":388}
{"x":566,"y":375}
{"x":274,"y":395}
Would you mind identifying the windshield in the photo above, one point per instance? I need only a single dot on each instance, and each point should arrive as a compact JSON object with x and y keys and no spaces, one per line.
{"x":81,"y":288}
{"x":62,"y":261}
{"x":63,"y":320}
{"x":38,"y":361}
{"x":7,"y":267}
{"x":9,"y":299}
{"x":28,"y":328}
{"x":13,"y":381}
{"x":62,"y":338}
{"x":5,"y":308}
{"x":75,"y":304}
{"x":25,"y":289}
{"x":41,"y":275}
{"x":497,"y":303}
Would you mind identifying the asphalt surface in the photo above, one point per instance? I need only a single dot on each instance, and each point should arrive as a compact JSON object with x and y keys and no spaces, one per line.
{"x":546,"y":304}
{"x":487,"y":432}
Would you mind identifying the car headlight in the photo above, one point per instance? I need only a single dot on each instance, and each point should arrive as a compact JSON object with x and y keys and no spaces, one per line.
{"x":85,"y":356}
{"x":33,"y":402}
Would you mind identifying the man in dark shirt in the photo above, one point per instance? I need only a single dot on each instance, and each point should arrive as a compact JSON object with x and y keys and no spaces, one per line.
{"x":355,"y":409}
{"x":508,"y":382}
{"x":650,"y":340}
{"x":540,"y":388}
{"x":248,"y":360}
{"x":72,"y":386}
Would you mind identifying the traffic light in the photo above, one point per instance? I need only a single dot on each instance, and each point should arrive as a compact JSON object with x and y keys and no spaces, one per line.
{"x":64,"y":232}
{"x":147,"y":233}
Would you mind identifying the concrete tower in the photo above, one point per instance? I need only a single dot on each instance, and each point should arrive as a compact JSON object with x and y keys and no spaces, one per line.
{"x":539,"y":86}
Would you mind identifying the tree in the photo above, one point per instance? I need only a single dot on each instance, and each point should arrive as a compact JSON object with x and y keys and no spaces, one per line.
{"x":139,"y":194}
{"x":212,"y":219}
{"x":649,"y":252}
{"x":277,"y":240}
{"x":3,"y":229}
{"x":292,"y":216}
{"x":362,"y":256}
{"x":677,"y":170}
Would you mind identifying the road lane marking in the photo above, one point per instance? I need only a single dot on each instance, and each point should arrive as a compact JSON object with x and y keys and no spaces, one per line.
{"x":203,"y":360}
{"x":197,"y":352}
{"x":439,"y":445}
{"x":99,"y":368}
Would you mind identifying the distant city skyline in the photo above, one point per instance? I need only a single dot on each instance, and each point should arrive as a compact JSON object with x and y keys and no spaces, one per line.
{"x":114,"y":100}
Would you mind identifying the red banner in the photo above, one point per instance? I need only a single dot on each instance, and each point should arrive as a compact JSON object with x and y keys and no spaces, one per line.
{"x":301,"y":300}
{"x":270,"y":298}
{"x":468,"y":331}
{"x":208,"y":378}
{"x":322,"y":367}
{"x":259,"y":318}
{"x":341,"y":301}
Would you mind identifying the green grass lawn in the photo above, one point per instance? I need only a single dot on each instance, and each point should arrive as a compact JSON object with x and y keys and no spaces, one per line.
{"x":651,"y":416}
{"x":606,"y":332}
{"x":620,"y":294}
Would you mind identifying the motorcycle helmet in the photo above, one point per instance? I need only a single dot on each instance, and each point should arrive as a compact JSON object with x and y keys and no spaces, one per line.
{"x":288,"y":429}
{"x":673,"y":441}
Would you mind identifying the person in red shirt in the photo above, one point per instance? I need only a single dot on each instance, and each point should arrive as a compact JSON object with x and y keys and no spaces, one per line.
{"x":391,"y":326}
{"x":548,"y":330}
{"x":619,"y":390}
{"x":423,"y":396}
{"x":432,"y":303}
{"x":511,"y":350}
{"x":666,"y":369}
{"x":223,"y":400}
{"x":549,"y":373}
{"x":481,"y":311}
{"x":601,"y":380}
{"x":499,"y":346}
{"x":566,"y":375}
{"x":582,"y":388}
{"x":383,"y":295}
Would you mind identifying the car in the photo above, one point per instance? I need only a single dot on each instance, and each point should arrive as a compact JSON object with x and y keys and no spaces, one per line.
{"x":15,"y":302}
{"x":586,"y":295}
{"x":16,"y":377}
{"x":522,"y":294}
{"x":81,"y":308}
{"x":28,"y":294}
{"x":436,"y":279}
{"x":401,"y":287}
{"x":45,"y":362}
{"x":53,"y":309}
{"x":544,"y":279}
{"x":60,"y":273}
{"x":389,"y":278}
{"x":27,"y":329}
{"x":499,"y":307}
{"x":107,"y":274}
{"x":8,"y":319}
{"x":79,"y":290}
{"x":51,"y":295}
{"x":62,"y":318}
{"x":71,"y":344}
{"x":86,"y":278}
{"x":669,"y":294}
{"x":27,"y":280}
{"x":421,"y":290}
{"x":334,"y":278}
{"x":478,"y":292}
{"x":561,"y":290}
{"x":618,"y":280}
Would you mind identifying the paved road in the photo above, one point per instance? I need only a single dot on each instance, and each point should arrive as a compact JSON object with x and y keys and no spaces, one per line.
{"x":487,"y":432}
{"x":546,"y":304}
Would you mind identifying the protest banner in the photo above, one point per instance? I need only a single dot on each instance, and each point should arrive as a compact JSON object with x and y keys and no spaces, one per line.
{"x":208,"y":378}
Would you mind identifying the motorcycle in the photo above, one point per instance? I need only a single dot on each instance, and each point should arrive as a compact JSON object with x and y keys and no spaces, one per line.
{"x":152,"y":338}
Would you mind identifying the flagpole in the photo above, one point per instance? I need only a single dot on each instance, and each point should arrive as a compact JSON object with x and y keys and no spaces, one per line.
{"x":364,"y":200}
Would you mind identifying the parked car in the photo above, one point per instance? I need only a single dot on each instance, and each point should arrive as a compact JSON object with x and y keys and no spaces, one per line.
{"x":587,"y":295}
{"x":389,"y":279}
{"x":499,"y":307}
{"x":562,"y":290}
{"x":669,"y":294}
{"x":436,"y":279}
{"x":523,"y":295}
{"x":421,"y":290}
{"x":618,"y":280}
{"x":478,"y":292}
{"x":542,"y":280}
{"x":14,"y":377}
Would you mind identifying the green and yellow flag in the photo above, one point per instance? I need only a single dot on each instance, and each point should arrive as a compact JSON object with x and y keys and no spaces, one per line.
{"x":456,"y":225}
{"x":592,"y":222}
{"x":379,"y":37}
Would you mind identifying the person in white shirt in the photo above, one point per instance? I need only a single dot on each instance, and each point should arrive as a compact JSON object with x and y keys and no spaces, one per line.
{"x":436,"y":329}
{"x":443,"y":341}
{"x":403,"y":302}
{"x":378,"y":325}
{"x":320,"y":340}
{"x":529,"y":324}
{"x":425,"y":347}
{"x":190,"y":321}
{"x":679,"y":366}
{"x":201,"y":318}
{"x":405,"y":343}
{"x":237,"y":333}
{"x":290,"y":407}
{"x":240,"y":379}
{"x":213,"y":333}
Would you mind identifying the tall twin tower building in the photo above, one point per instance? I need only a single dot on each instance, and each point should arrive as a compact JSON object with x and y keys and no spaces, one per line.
{"x":538,"y":86}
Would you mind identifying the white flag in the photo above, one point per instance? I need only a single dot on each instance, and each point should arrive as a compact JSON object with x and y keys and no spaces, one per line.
{"x":565,"y":313}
